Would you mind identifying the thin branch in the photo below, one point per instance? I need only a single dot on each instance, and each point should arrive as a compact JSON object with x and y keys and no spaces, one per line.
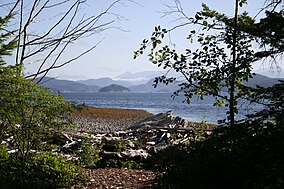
{"x":54,"y":26}
{"x":63,"y":32}
{"x":63,"y":64}
{"x":57,"y":4}
{"x":68,"y":26}
{"x":15,"y":4}
{"x":273,"y":3}
{"x":25,"y":31}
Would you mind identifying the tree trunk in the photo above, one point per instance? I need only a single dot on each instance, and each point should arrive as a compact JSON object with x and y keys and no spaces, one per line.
{"x":233,"y":102}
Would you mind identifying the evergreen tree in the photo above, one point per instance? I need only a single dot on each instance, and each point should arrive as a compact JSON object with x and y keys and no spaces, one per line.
{"x":6,"y":48}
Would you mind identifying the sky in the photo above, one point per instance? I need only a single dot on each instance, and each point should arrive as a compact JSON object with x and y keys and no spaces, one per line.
{"x":114,"y":55}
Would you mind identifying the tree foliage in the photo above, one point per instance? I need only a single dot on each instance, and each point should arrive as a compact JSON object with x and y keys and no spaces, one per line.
{"x":27,"y":110}
{"x":209,"y":68}
{"x":220,"y":53}
{"x":249,"y":155}
{"x":272,"y":98}
{"x":6,"y":48}
{"x":28,"y":113}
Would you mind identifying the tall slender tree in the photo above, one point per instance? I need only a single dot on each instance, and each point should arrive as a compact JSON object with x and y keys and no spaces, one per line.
{"x":234,"y":64}
{"x":221,"y":62}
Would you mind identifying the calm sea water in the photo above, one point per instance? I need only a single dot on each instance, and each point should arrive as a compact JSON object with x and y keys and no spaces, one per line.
{"x":197,"y":110}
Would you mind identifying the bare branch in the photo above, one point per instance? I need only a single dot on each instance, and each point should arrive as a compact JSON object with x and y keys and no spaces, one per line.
{"x":20,"y":30}
{"x":182,"y":17}
{"x":7,"y":5}
{"x":57,"y":45}
{"x":25,"y":32}
{"x":62,"y":64}
{"x":65,"y":28}
{"x":269,"y":4}
{"x":57,"y":4}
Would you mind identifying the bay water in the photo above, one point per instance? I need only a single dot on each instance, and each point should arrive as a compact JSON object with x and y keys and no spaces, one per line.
{"x":197,"y":110}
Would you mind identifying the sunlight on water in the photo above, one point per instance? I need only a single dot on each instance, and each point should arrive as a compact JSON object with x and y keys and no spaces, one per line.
{"x":197,"y":110}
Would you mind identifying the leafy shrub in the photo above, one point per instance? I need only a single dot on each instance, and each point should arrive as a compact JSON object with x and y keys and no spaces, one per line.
{"x":114,"y":161}
{"x":121,"y":163}
{"x":131,"y":164}
{"x":248,"y":156}
{"x":43,"y":170}
{"x":89,"y":154}
{"x":27,"y":111}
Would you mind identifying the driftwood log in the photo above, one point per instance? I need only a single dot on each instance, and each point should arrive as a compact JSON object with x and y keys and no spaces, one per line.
{"x":138,"y":140}
{"x":153,"y":133}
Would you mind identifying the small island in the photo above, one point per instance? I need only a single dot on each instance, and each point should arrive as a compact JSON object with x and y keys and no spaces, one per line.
{"x":114,"y":88}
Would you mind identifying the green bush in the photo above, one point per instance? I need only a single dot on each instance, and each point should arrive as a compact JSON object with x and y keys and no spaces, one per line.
{"x":131,"y":164}
{"x":121,"y":163}
{"x":28,"y":111}
{"x":43,"y":170}
{"x":247,"y":156}
{"x":89,"y":154}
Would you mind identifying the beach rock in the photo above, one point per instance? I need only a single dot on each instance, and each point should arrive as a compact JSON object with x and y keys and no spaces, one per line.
{"x":127,"y":154}
{"x":139,"y":140}
{"x":162,"y":120}
{"x":150,"y":134}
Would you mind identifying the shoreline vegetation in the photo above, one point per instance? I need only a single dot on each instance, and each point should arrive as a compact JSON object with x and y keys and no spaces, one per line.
{"x":130,"y":143}
{"x":106,"y":148}
{"x":129,"y":158}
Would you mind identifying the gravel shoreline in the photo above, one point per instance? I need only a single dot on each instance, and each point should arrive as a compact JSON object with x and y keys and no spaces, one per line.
{"x":106,"y":119}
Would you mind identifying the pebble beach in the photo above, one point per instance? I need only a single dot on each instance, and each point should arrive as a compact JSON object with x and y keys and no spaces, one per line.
{"x":106,"y":119}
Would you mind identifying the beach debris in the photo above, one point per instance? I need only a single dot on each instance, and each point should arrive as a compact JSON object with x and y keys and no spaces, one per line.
{"x":139,"y":140}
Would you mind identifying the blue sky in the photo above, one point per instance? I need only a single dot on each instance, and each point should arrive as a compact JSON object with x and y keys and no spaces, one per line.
{"x":114,"y":55}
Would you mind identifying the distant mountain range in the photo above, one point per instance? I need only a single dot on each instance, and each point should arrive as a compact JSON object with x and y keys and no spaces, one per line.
{"x":262,"y":81}
{"x":129,"y":83}
{"x":66,"y":86}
